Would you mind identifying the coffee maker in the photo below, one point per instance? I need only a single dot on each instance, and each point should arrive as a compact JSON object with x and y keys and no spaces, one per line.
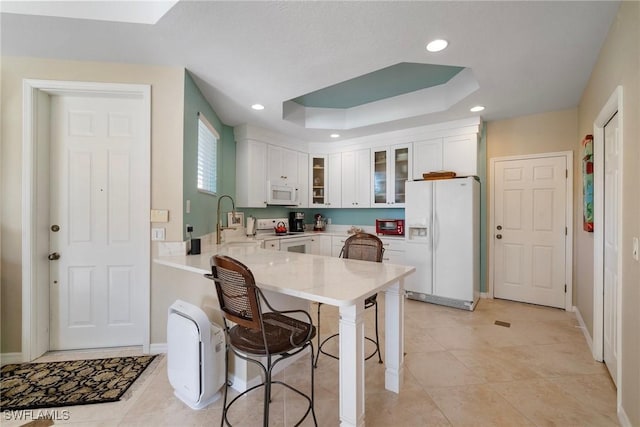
{"x":320,"y":224}
{"x":296,"y":222}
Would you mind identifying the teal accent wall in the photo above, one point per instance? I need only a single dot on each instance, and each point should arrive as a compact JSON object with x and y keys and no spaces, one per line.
{"x":203,"y":205}
{"x":364,"y":216}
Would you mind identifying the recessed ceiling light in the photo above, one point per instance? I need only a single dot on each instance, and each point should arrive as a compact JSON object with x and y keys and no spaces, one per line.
{"x":437,"y":45}
{"x":257,"y":107}
{"x":476,"y":108}
{"x":335,"y":135}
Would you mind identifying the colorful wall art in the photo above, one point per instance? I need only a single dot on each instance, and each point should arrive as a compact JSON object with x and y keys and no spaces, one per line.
{"x":587,"y":183}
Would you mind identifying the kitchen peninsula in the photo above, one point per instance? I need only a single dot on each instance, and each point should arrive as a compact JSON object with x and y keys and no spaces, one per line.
{"x":323,"y":279}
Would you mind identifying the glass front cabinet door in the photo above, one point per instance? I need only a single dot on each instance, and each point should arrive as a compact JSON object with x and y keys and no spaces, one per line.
{"x":391,"y":166}
{"x":318,"y":179}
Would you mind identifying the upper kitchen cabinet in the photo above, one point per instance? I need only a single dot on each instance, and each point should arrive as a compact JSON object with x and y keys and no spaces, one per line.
{"x":282,"y":166}
{"x":251,"y":171}
{"x":325,"y":180}
{"x":391,"y":166}
{"x":451,"y":153}
{"x":318,"y":178}
{"x":356,"y":179}
{"x":303,"y":180}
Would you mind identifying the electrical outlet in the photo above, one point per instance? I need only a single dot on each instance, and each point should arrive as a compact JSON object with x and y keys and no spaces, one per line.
{"x":189,"y":228}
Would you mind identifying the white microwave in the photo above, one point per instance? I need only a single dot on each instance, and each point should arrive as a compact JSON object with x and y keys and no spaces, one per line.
{"x":281,"y":194}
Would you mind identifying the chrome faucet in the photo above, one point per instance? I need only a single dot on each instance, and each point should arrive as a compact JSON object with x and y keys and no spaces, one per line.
{"x":219,"y":226}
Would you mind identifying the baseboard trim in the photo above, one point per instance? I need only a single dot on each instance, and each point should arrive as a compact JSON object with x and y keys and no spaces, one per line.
{"x":6,"y":358}
{"x":160,"y":348}
{"x":485,"y":295}
{"x":583,"y":326}
{"x":623,"y":418}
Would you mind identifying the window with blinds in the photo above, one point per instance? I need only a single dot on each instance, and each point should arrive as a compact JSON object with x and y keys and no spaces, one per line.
{"x":207,"y":156}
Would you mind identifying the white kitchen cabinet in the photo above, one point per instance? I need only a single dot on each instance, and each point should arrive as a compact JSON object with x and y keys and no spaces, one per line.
{"x":282,"y":166}
{"x":460,"y":154}
{"x":397,"y":251}
{"x":427,"y":157}
{"x":453,"y":153}
{"x":334,"y":181}
{"x":318,"y":166}
{"x":272,"y":244}
{"x":325,"y":180}
{"x":321,"y":245}
{"x":337,"y":242}
{"x":356,"y":179}
{"x":251,"y":171}
{"x":394,"y":251}
{"x":391,"y":168}
{"x":303,"y":180}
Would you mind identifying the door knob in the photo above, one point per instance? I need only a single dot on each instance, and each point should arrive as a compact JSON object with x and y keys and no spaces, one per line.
{"x":499,"y":227}
{"x":55,"y":228}
{"x":499,"y":236}
{"x":54,"y":256}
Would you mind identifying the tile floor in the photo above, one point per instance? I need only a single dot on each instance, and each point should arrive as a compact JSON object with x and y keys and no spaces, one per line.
{"x":460,"y":370}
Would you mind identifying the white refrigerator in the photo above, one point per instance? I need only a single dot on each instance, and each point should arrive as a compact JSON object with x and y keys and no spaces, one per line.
{"x":442,"y":230}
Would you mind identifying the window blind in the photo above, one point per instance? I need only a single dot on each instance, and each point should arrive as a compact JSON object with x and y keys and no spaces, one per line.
{"x":207,"y":156}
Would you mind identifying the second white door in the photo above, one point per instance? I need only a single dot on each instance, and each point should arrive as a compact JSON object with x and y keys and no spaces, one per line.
{"x":530,"y":230}
{"x":101,"y":233}
{"x":611,"y":280}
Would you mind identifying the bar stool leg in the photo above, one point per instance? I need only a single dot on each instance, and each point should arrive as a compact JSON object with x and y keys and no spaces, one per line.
{"x":315,"y":365}
{"x":377,"y":336}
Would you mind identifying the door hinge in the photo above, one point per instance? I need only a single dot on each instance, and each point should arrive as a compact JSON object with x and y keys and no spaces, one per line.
{"x":565,"y":288}
{"x":566,"y":173}
{"x":566,"y":231}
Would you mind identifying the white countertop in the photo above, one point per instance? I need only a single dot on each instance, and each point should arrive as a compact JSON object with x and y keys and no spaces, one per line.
{"x":328,"y":280}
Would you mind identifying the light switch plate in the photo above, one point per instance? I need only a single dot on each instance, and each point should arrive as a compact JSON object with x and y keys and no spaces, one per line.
{"x":159,"y":215}
{"x":157,"y":234}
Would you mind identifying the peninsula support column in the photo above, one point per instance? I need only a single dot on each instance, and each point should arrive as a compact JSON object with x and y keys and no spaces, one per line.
{"x":394,"y":336}
{"x":352,"y":365}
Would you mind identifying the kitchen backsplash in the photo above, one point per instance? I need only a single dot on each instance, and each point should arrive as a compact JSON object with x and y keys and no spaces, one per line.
{"x":343,"y":216}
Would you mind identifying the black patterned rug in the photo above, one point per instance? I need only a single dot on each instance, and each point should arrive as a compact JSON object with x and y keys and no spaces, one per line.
{"x":78,"y":382}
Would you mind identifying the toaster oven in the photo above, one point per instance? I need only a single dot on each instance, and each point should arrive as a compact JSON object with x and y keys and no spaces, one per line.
{"x":390,"y":227}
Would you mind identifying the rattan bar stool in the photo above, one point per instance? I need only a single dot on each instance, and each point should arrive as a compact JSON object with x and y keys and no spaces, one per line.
{"x":365,"y":247}
{"x":254,"y":335}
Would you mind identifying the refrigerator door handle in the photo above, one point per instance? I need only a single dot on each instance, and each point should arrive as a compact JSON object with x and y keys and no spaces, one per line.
{"x":434,"y":231}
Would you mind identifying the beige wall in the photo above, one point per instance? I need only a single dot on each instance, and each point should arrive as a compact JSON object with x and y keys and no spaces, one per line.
{"x":535,"y":134}
{"x":539,"y":133}
{"x":167,"y":95}
{"x":619,"y":64}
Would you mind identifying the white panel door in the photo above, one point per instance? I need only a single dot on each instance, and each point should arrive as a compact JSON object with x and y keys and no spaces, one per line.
{"x":611,"y":203}
{"x":529,"y":238}
{"x":97,"y":282}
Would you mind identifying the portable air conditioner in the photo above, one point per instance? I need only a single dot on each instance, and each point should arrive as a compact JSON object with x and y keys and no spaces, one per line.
{"x":195,"y":355}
